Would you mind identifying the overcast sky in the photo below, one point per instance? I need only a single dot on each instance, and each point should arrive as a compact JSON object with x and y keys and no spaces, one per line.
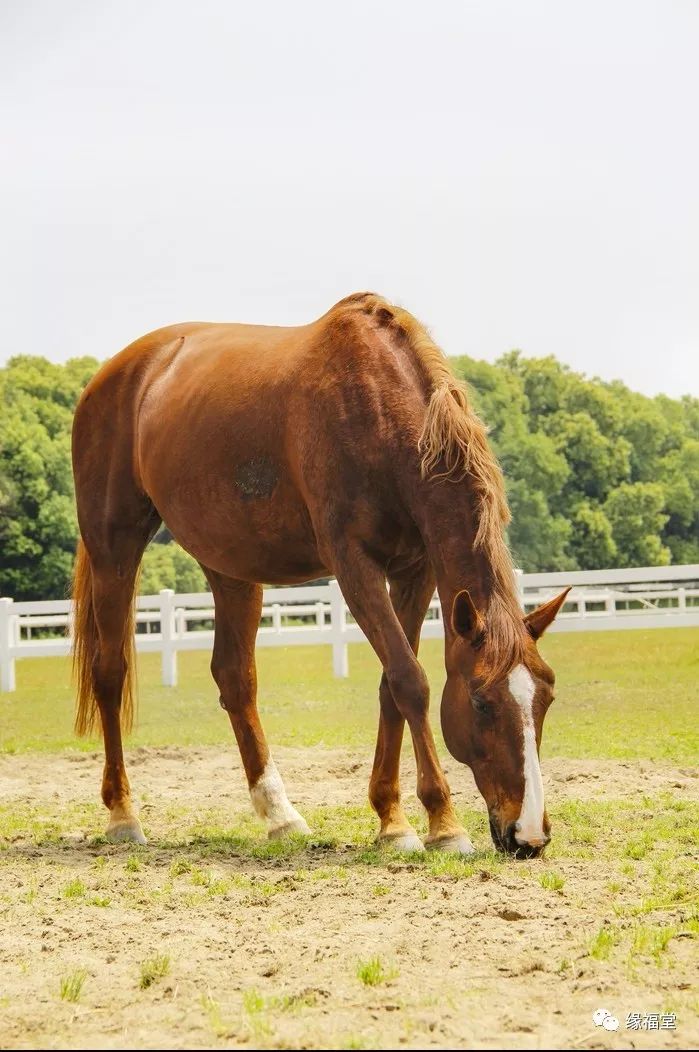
{"x":518,"y":174}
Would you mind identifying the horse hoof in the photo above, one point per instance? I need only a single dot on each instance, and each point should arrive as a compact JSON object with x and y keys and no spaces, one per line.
{"x":406,"y":843}
{"x":298,"y":827}
{"x":125,"y":832}
{"x":456,"y":845}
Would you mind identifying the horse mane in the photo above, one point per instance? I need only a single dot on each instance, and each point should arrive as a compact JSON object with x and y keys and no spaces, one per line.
{"x":453,"y":446}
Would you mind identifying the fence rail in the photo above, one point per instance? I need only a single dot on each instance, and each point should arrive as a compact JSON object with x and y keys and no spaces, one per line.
{"x":642,"y":597}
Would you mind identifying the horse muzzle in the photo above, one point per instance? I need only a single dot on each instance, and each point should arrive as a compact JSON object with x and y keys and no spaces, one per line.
{"x":508,"y":841}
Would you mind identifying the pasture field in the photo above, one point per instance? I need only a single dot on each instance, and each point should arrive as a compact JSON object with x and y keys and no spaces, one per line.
{"x":213,"y":937}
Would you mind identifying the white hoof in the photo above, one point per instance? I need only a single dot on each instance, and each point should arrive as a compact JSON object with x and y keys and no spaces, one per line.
{"x":125,"y":831}
{"x":299,"y":826}
{"x":456,"y":845}
{"x":403,"y":842}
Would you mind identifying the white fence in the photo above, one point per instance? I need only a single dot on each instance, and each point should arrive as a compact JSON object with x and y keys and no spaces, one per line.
{"x":647,"y":597}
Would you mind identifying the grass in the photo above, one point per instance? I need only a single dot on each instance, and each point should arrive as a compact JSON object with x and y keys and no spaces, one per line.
{"x":255,"y":1011}
{"x":552,"y":881}
{"x":604,"y":680}
{"x":652,"y":941}
{"x":153,"y":969}
{"x":72,"y":985}
{"x":602,"y":944}
{"x":373,"y":972}
{"x":75,"y":889}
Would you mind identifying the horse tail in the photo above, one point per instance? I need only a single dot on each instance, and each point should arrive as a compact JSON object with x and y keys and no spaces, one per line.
{"x":86,"y":643}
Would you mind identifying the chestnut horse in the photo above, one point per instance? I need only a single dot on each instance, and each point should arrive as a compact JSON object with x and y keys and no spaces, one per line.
{"x":280,"y":455}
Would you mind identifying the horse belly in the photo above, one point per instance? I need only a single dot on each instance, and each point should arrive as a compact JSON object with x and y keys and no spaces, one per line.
{"x":243,"y":517}
{"x":249,"y":538}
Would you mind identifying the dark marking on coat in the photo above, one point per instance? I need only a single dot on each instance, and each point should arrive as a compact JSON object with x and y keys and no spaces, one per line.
{"x":256,"y":479}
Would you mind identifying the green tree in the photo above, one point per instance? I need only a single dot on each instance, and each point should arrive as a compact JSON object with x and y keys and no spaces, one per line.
{"x":538,"y":539}
{"x":597,"y":463}
{"x":591,"y":541}
{"x":37,"y":511}
{"x":635,"y":511}
{"x":168,"y":566}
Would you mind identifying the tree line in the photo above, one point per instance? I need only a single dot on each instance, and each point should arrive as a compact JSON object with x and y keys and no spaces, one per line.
{"x":597,"y":475}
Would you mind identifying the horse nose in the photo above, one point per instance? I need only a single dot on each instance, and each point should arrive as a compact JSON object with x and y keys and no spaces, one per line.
{"x":537,"y":840}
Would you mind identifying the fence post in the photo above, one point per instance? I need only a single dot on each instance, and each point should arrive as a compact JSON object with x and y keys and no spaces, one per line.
{"x":519,"y":585}
{"x":167,"y":631}
{"x":277,"y":617}
{"x":682,"y":599}
{"x":337,"y":627}
{"x":7,"y":662}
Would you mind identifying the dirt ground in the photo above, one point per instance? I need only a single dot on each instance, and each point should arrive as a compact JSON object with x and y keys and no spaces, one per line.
{"x":265,"y":949}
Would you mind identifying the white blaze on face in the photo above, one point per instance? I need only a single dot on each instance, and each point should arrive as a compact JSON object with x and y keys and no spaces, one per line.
{"x":529,"y":828}
{"x":270,"y":801}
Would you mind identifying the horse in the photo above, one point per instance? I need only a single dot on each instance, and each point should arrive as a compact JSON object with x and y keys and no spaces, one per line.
{"x":342,"y":447}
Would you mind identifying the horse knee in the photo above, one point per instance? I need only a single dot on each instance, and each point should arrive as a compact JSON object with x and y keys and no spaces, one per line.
{"x":410,"y":690}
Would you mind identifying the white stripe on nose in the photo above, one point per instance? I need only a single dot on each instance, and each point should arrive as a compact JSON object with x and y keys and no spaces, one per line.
{"x":529,"y":828}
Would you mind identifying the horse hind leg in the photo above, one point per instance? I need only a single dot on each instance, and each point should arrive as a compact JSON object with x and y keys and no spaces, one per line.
{"x":238,"y":605}
{"x":104,"y":655}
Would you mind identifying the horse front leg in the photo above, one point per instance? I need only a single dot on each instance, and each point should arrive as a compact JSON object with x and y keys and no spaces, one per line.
{"x":363,"y":586}
{"x":238,"y":606}
{"x":410,"y":595}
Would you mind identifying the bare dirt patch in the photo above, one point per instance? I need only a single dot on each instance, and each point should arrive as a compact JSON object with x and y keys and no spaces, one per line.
{"x":275,"y":948}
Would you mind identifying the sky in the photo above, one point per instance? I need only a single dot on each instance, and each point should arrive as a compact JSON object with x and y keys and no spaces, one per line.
{"x":518,"y":175}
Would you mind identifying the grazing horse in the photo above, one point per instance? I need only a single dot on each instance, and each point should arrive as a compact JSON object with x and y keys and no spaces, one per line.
{"x":280,"y":455}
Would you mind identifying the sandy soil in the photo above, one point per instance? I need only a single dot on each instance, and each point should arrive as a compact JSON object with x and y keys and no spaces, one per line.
{"x":487,"y":961}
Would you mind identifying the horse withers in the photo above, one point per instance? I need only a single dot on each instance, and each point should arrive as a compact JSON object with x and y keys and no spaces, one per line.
{"x":280,"y":455}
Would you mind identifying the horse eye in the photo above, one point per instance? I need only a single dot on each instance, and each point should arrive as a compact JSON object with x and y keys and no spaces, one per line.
{"x":479,"y":703}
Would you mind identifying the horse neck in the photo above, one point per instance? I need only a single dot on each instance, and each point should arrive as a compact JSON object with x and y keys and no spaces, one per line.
{"x":448,"y":524}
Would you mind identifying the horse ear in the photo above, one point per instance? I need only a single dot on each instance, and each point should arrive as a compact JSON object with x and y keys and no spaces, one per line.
{"x":465,"y":619}
{"x":539,"y":620}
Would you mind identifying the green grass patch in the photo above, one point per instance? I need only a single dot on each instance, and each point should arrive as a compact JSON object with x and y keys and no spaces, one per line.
{"x":74,"y":889}
{"x":153,"y":969}
{"x":71,"y":986}
{"x":373,"y":972}
{"x":652,"y":941}
{"x":552,"y":881}
{"x":602,"y":943}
